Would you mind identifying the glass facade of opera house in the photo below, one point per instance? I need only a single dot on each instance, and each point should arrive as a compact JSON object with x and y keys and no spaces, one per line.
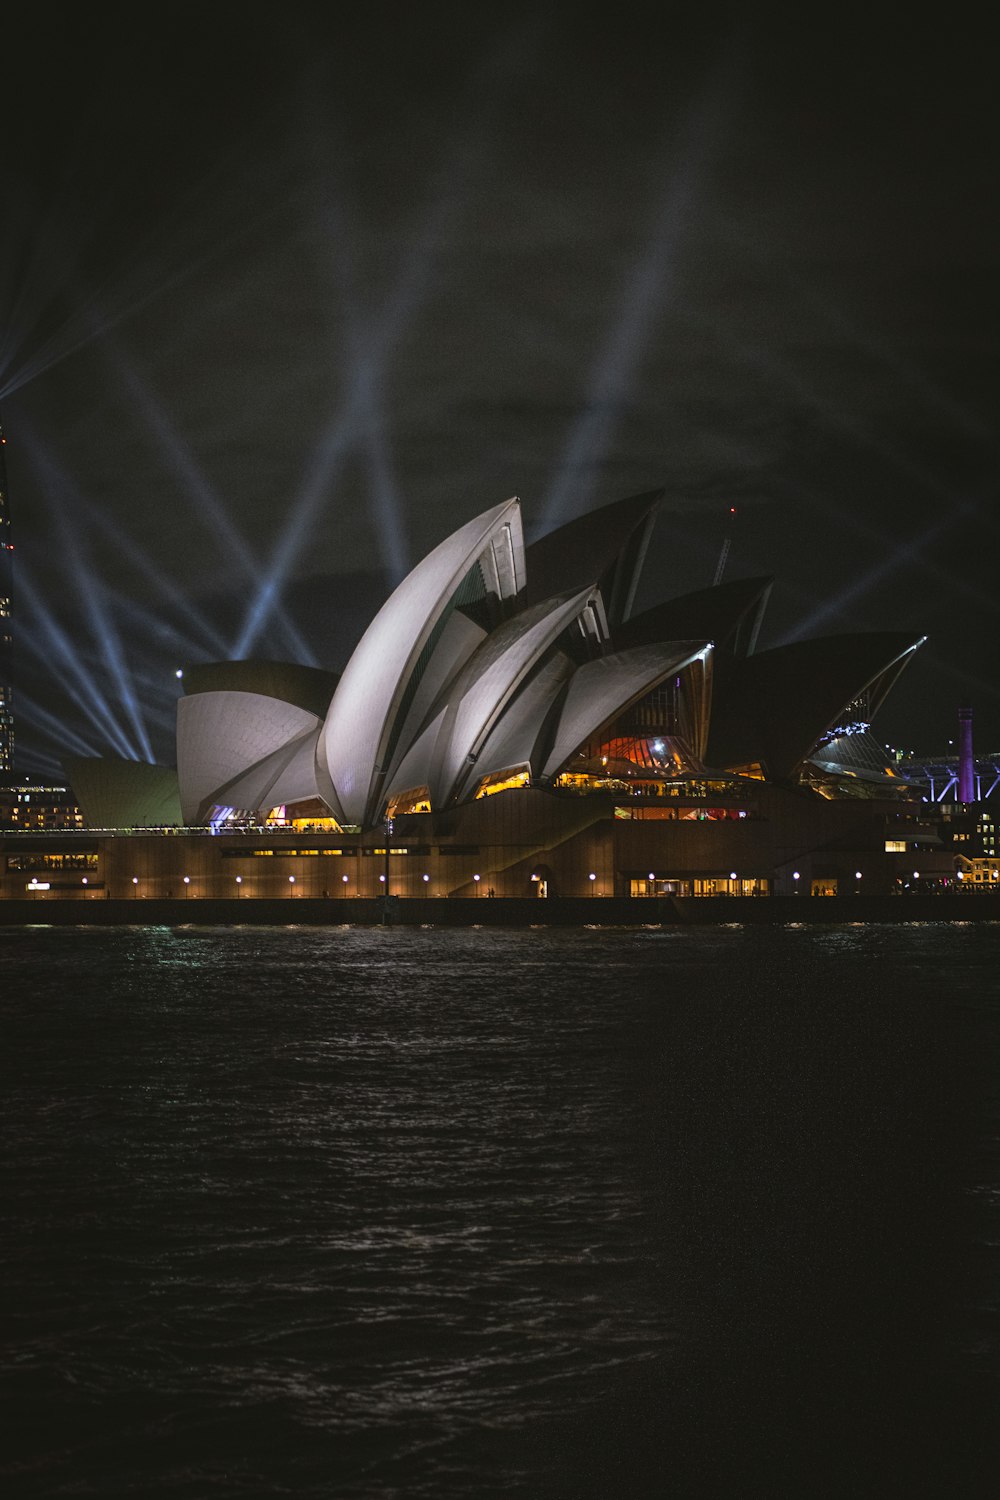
{"x":510,"y":726}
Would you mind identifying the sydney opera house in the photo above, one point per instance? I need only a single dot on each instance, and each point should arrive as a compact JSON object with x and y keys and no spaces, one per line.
{"x":495,"y":666}
{"x":509,"y":725}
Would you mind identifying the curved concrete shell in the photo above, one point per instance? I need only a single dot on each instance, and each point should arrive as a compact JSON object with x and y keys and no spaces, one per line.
{"x":858,"y":755}
{"x":307,"y":687}
{"x":221,"y":736}
{"x":459,"y":639}
{"x":772,"y":709}
{"x":362,"y":735}
{"x":113,"y":793}
{"x":523,"y":734}
{"x":606,"y":547}
{"x":729,"y":615}
{"x":288,"y":774}
{"x":600,"y":691}
{"x":488,"y":683}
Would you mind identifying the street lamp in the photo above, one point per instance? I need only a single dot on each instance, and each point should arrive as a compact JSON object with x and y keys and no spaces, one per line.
{"x":291,"y":885}
{"x":344,"y":879}
{"x":477,"y":879}
{"x":592,"y":877}
{"x":187,"y":882}
{"x":239,"y":882}
{"x":135,"y":885}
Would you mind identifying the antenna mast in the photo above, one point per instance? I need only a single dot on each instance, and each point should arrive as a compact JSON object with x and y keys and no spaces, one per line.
{"x":727,"y":542}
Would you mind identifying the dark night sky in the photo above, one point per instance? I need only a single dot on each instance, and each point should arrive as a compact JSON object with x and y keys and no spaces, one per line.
{"x":289,"y":294}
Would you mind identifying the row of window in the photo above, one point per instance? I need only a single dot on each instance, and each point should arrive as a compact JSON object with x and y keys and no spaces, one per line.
{"x":281,"y":851}
{"x":74,"y":861}
{"x":653,"y":885}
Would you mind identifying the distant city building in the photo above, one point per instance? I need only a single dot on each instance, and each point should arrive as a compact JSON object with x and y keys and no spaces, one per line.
{"x":6,"y":641}
{"x":970,"y":831}
{"x":32,"y":805}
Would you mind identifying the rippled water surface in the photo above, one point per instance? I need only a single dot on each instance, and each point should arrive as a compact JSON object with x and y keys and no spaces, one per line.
{"x":366,"y":1212}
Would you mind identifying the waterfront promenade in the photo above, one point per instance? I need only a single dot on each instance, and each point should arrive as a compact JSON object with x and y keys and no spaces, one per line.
{"x":607,"y":911}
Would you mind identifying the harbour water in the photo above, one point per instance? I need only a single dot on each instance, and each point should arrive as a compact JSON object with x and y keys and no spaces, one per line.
{"x":392,"y":1212}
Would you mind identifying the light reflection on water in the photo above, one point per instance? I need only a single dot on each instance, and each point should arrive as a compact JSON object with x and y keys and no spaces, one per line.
{"x":374,"y":1211}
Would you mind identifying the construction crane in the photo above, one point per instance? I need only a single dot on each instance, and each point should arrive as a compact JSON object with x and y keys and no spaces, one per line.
{"x":727,"y":542}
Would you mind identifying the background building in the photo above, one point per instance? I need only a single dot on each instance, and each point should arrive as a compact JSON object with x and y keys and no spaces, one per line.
{"x":28,"y":804}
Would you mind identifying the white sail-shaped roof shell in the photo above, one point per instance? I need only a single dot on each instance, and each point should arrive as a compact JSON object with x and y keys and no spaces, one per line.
{"x":602,"y":689}
{"x":286,"y":775}
{"x":222,"y":736}
{"x":460,"y":637}
{"x":416,"y":769}
{"x":488,"y":683}
{"x":519,"y":738}
{"x":361,"y":734}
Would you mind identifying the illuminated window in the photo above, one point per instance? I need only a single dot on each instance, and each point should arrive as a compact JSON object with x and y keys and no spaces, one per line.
{"x":503,"y":781}
{"x":414,"y":800}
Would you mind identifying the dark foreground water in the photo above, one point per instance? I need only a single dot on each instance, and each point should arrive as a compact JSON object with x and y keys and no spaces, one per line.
{"x":364,"y":1212}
